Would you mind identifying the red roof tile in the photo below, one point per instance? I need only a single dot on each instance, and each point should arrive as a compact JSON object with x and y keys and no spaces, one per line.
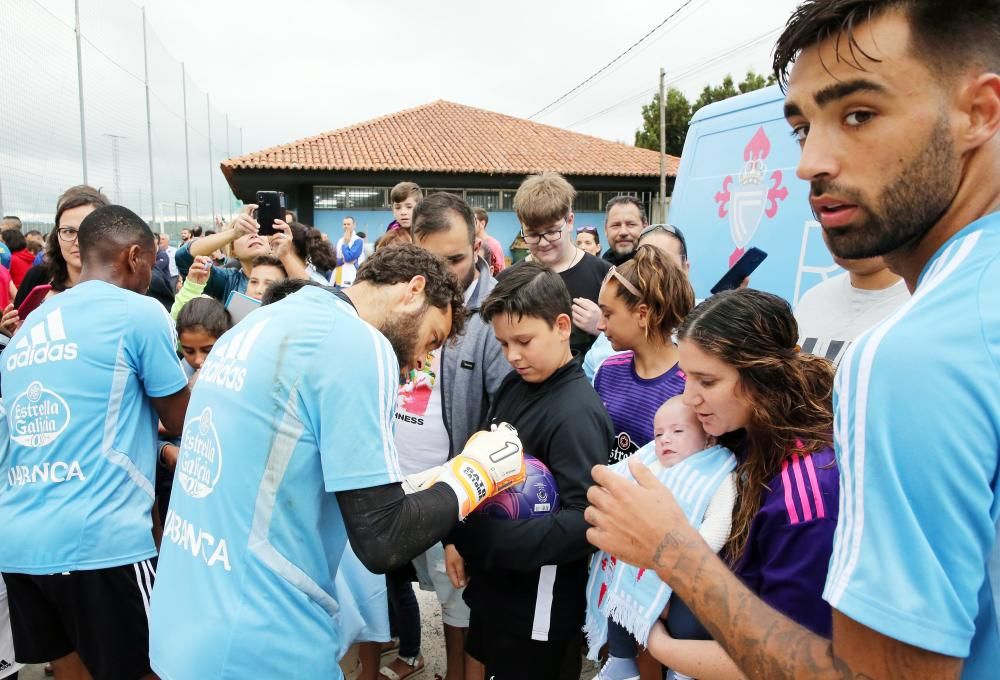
{"x":452,"y":138}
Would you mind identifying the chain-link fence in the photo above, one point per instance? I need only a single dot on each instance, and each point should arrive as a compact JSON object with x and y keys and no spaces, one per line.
{"x":88,"y":93}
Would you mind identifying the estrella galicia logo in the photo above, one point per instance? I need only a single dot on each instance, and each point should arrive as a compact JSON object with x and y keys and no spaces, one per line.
{"x":200,"y":463}
{"x":38,"y":416}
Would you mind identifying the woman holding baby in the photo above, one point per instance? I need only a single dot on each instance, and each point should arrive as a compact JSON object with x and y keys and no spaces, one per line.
{"x":750,"y":388}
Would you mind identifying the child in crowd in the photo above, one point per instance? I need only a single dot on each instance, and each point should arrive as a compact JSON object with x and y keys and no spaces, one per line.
{"x":200,"y":324}
{"x":266,"y":270}
{"x":701,"y":476}
{"x":404,"y":197}
{"x":527,"y":577}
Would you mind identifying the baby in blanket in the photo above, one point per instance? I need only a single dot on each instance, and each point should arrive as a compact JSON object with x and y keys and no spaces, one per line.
{"x":622,"y":601}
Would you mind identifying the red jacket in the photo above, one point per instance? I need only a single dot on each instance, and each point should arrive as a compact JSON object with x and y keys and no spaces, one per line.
{"x":20,"y":263}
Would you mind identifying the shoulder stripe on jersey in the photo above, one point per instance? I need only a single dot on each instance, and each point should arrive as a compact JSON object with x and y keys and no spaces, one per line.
{"x":786,"y":482}
{"x":386,"y":397}
{"x":847,"y":547}
{"x":814,"y":484}
{"x":283,"y":440}
{"x":112,"y":419}
{"x":618,"y":359}
{"x":800,"y":486}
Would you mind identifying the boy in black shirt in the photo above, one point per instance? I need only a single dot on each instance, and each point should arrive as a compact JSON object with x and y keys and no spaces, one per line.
{"x":544,"y":207}
{"x":527,"y":577}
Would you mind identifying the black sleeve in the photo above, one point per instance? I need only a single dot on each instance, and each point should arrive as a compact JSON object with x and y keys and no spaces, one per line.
{"x":36,"y":276}
{"x":580,"y":442}
{"x":388,"y":528}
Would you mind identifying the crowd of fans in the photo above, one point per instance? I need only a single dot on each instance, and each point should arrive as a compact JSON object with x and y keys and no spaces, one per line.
{"x":236,"y":457}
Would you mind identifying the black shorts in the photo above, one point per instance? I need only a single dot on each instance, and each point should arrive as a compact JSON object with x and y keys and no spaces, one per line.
{"x":509,"y":657}
{"x":102,"y":614}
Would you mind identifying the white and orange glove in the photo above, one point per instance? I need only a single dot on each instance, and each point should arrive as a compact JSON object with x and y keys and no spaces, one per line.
{"x":490,"y":462}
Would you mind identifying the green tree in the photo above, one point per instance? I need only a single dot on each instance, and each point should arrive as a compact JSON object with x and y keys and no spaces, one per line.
{"x":679,"y":110}
{"x":678,"y":114}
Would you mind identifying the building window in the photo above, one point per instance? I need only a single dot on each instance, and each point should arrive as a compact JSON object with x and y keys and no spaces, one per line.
{"x":487,"y":200}
{"x":347,"y":198}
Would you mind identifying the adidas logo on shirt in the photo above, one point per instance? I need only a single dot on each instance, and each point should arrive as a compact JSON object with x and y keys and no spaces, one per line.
{"x":45,"y":342}
{"x":226,"y":365}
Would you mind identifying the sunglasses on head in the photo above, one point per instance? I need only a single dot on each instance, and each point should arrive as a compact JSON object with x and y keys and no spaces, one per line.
{"x":586,"y":230}
{"x":669,"y":229}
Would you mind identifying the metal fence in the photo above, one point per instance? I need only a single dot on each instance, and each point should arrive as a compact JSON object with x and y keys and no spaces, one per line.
{"x":89,"y":94}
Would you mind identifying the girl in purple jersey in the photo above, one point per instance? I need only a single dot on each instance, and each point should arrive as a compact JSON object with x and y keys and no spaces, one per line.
{"x":753,"y":389}
{"x":642,"y":302}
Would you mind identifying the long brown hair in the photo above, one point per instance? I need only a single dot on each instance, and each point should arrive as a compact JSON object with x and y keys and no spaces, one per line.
{"x":665,"y":288}
{"x":789,"y":394}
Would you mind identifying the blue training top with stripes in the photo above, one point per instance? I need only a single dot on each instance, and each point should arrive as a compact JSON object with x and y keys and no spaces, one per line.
{"x":293,"y":404}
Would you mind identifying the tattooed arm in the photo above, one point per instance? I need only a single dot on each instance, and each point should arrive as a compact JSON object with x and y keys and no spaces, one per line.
{"x":628,"y":521}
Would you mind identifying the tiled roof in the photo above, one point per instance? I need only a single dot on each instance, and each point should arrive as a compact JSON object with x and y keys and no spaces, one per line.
{"x":452,"y":138}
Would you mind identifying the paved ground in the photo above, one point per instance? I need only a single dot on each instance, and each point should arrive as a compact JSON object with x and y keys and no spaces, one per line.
{"x":432,"y":643}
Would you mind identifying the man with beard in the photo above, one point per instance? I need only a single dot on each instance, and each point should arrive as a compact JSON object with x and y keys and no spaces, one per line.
{"x":625,"y":218}
{"x":442,"y":402}
{"x":897,"y":107}
{"x":287,"y":454}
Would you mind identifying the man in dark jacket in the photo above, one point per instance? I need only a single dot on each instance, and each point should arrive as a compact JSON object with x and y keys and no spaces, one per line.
{"x":442,"y":404}
{"x":625,"y":218}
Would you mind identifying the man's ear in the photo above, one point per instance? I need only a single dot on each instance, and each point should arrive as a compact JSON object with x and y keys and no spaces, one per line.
{"x":133,"y":257}
{"x":979,"y":102}
{"x":415,"y":287}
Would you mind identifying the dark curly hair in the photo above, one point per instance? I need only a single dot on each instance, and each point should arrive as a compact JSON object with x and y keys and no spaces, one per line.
{"x":401,"y":263}
{"x":789,"y":393}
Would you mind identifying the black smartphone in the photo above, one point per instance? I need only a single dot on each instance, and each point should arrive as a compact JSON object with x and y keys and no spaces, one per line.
{"x":270,"y":207}
{"x":743,"y":268}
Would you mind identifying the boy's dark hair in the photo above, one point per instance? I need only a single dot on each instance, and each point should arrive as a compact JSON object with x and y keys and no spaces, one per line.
{"x":206,"y":314}
{"x":399,"y":264}
{"x":109,"y":229}
{"x":74,"y":197}
{"x":14,"y":239}
{"x":279,"y":290}
{"x":946,"y":36}
{"x":268,"y":261}
{"x":529,"y":289}
{"x":431,"y":215}
{"x":404,"y":190}
{"x":482,"y":215}
{"x":625,"y":199}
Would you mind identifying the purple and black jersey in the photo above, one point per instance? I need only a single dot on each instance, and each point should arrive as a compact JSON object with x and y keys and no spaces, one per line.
{"x":632,"y":401}
{"x":791,"y":540}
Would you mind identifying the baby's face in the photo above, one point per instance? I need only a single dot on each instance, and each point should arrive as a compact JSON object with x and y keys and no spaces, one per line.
{"x":677,"y":433}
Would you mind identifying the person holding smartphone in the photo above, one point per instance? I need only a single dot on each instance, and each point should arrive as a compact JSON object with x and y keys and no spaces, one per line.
{"x":244,"y":242}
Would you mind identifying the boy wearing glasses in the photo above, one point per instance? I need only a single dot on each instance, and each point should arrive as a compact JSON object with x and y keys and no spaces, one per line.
{"x":544,"y":207}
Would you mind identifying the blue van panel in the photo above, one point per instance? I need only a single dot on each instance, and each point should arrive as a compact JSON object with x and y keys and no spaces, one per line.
{"x":736,"y":188}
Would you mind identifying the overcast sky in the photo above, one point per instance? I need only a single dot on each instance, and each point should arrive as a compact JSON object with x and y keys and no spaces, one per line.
{"x":296,"y":68}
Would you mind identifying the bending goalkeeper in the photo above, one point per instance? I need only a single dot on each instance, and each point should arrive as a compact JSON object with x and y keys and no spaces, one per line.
{"x":288,"y":453}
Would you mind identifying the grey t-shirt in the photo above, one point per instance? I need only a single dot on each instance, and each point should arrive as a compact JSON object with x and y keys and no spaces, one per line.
{"x":832,"y":314}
